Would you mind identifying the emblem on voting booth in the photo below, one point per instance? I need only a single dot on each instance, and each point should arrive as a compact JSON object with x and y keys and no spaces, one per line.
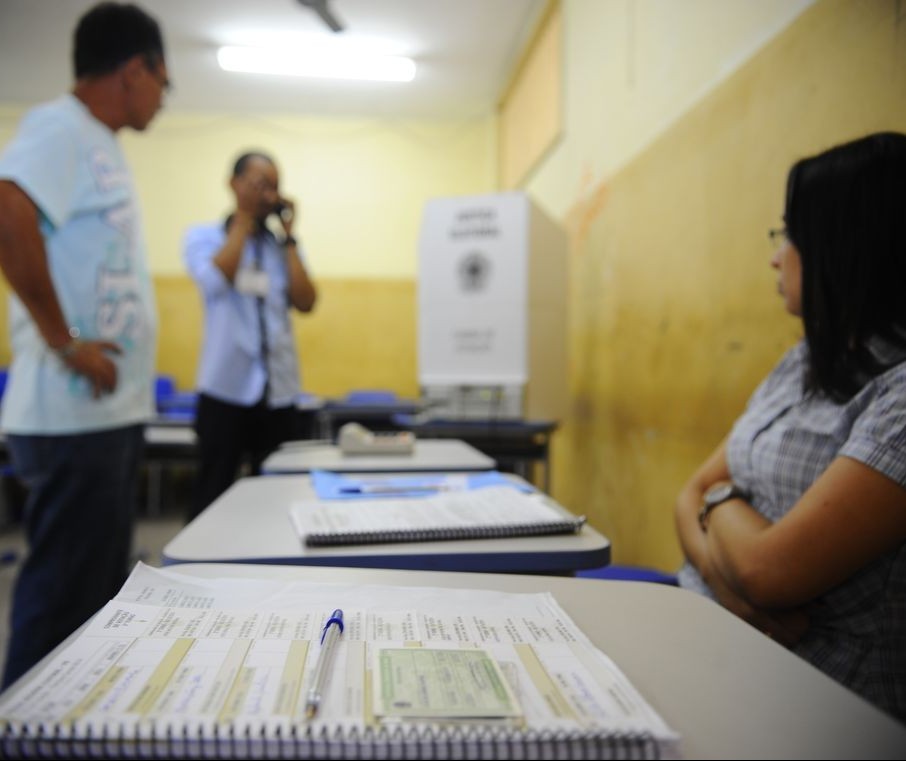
{"x":474,"y":271}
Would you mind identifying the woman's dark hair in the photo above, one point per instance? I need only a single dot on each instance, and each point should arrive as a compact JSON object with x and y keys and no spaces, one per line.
{"x":109,"y":34}
{"x":846,"y":215}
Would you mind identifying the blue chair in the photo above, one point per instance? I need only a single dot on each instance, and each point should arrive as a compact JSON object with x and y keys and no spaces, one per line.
{"x":172,"y":403}
{"x":184,"y":401}
{"x":368,"y":396}
{"x":164,"y":388}
{"x":6,"y":470}
{"x":629,"y":573}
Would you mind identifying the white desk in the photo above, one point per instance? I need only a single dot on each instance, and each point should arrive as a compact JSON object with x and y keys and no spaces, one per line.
{"x":727,"y":689}
{"x":166,"y":442}
{"x":161,"y":434}
{"x":180,"y":437}
{"x":249,"y":523}
{"x":428,"y":455}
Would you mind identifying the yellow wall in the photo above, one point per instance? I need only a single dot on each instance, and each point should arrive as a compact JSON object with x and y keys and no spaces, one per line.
{"x":674,"y":306}
{"x":632,"y":68}
{"x":530,"y":114}
{"x":361,"y":335}
{"x":360,"y":186}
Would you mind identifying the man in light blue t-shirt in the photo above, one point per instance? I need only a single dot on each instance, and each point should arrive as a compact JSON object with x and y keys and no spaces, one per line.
{"x":82,"y":325}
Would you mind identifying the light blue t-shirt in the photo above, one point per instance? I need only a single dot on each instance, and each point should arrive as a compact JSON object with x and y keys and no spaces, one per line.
{"x":72,"y":168}
{"x":232,"y":367}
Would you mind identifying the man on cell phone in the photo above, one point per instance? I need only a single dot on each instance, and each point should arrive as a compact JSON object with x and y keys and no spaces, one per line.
{"x":250,"y":278}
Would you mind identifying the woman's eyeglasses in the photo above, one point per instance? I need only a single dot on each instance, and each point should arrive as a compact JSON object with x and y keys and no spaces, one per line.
{"x":778,"y":235}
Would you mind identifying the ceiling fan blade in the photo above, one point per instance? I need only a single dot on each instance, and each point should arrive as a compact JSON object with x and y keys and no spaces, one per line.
{"x":320,"y":7}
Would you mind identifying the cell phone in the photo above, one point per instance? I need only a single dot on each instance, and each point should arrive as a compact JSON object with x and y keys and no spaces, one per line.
{"x":281,"y":209}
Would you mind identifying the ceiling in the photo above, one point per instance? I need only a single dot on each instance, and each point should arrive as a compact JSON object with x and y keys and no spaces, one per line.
{"x":464,"y":51}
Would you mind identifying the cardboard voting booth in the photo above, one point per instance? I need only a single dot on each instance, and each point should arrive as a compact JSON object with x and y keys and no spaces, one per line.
{"x":492,"y":300}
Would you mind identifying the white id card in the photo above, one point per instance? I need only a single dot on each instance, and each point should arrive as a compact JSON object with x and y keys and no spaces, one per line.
{"x":251,"y":282}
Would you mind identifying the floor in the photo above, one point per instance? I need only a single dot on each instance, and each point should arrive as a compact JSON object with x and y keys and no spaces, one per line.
{"x":154,"y":529}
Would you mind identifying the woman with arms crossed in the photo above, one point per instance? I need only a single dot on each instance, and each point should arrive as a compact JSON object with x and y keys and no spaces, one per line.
{"x":797,"y":522}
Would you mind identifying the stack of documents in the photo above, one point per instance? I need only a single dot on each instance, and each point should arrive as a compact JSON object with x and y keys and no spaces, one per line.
{"x":178,"y":667}
{"x":490,"y":513}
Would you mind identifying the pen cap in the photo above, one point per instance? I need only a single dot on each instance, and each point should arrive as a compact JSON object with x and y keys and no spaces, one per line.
{"x":335,"y":618}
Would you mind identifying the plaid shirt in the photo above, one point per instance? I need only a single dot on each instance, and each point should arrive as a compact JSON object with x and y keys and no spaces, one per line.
{"x":781,"y":444}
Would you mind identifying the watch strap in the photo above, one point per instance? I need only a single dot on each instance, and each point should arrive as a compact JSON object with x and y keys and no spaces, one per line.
{"x":708,"y":506}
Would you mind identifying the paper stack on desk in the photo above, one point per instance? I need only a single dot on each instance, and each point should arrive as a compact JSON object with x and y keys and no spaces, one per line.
{"x":181,"y":667}
{"x":491,"y":513}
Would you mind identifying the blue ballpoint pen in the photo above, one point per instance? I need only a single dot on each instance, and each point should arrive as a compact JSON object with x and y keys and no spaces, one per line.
{"x":389,"y":489}
{"x":330,"y":635}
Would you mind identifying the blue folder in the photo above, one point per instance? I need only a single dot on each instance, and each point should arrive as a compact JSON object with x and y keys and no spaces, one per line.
{"x":330,"y":485}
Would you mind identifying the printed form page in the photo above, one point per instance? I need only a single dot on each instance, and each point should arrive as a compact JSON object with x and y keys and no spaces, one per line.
{"x":190,"y":654}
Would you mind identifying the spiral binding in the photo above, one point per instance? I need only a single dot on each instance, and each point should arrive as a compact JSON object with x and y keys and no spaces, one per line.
{"x":501,"y":531}
{"x":307,"y":742}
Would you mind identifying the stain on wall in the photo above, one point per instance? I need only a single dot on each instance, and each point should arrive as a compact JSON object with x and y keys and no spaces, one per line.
{"x":675,"y":316}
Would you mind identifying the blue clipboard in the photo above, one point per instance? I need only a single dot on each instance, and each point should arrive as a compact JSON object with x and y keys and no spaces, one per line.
{"x":330,"y":485}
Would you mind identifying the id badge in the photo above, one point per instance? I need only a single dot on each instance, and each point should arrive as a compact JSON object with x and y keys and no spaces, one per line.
{"x":251,"y":282}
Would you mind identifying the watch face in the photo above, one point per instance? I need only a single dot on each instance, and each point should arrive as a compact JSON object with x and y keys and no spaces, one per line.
{"x":718,"y":493}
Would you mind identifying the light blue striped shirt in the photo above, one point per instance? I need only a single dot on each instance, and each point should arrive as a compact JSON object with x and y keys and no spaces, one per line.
{"x":232,"y":367}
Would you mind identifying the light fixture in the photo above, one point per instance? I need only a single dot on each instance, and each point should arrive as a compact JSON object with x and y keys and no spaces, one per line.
{"x":321,"y":63}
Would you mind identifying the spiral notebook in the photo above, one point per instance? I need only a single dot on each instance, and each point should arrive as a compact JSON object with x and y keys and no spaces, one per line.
{"x":181,"y":667}
{"x":493,"y":512}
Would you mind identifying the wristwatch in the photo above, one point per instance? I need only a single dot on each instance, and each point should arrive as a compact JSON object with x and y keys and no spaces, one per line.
{"x":717,"y":495}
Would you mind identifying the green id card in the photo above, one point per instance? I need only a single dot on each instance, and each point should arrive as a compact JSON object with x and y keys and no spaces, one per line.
{"x":432,"y":683}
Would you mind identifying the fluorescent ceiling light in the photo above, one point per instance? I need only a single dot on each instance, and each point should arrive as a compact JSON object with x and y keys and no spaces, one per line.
{"x":317,"y":63}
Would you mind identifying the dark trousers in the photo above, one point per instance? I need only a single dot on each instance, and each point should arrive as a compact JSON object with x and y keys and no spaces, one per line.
{"x":228,"y":434}
{"x":79,"y":515}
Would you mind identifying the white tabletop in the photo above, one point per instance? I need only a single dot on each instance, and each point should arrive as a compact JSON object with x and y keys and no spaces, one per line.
{"x":429,"y":454}
{"x":166,"y":435}
{"x":250,"y":523}
{"x":727,"y":689}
